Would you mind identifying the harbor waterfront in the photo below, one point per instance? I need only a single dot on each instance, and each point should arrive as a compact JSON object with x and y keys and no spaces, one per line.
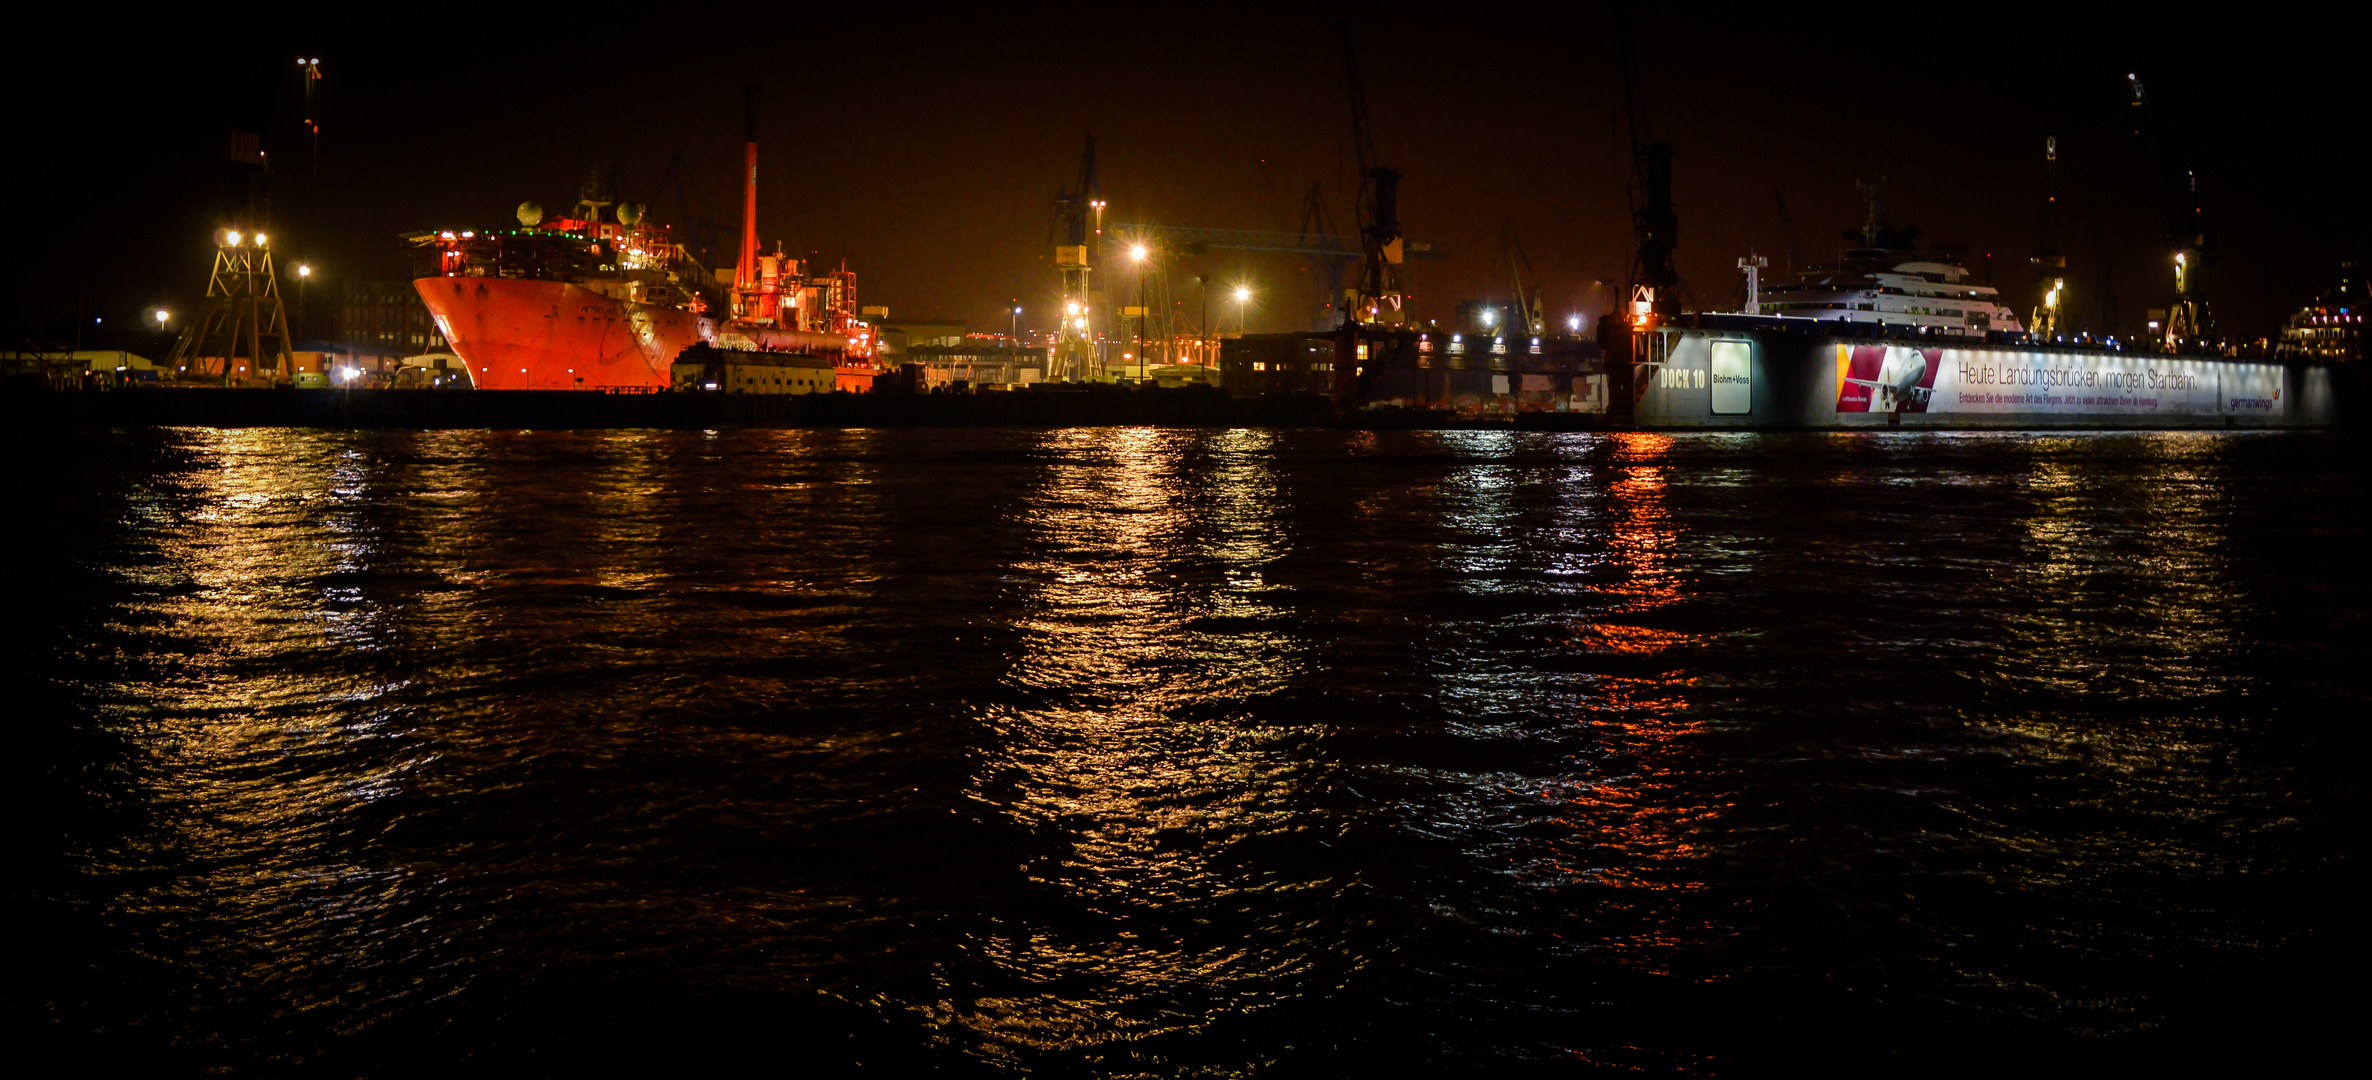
{"x":1143,"y":751}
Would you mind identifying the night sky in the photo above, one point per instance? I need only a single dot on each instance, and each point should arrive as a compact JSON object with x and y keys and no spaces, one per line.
{"x":926,"y":152}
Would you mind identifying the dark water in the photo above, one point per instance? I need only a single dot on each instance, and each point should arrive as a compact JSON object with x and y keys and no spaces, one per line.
{"x":1161,"y":753}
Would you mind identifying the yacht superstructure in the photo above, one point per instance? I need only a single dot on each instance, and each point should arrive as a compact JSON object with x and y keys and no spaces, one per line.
{"x":1887,"y":280}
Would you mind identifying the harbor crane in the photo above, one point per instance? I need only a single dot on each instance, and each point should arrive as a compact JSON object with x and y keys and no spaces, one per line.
{"x":1518,"y":265}
{"x":2050,"y":267}
{"x":1328,"y":268}
{"x":1655,"y":285}
{"x":1078,"y":224}
{"x":1381,"y":294}
{"x":240,"y":334}
{"x":2186,"y":320}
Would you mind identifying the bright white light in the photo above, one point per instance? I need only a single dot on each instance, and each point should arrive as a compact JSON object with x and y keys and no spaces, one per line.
{"x":1137,"y":253}
{"x":304,"y":270}
{"x":1071,"y":308}
{"x":260,"y":240}
{"x":1242,"y":294}
{"x":1574,"y":323}
{"x":232,"y":237}
{"x":162,"y":315}
{"x":1490,"y":317}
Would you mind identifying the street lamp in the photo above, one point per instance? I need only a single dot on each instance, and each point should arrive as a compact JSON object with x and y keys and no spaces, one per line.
{"x":1243,"y":296}
{"x":1137,"y":252}
{"x":304,"y":274}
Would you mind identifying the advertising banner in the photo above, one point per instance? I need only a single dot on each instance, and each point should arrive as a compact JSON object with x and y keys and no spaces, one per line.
{"x":1889,"y":378}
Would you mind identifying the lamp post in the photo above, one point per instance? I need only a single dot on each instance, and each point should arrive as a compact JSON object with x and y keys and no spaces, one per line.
{"x":1243,"y":296}
{"x":304,"y":275}
{"x":1138,"y":254}
{"x":1202,"y":327}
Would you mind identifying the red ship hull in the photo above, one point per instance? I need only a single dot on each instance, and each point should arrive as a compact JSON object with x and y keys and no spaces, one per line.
{"x":518,"y":334}
{"x":522,"y":334}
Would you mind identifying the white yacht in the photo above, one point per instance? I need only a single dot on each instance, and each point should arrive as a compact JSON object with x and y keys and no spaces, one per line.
{"x":1886,"y":280}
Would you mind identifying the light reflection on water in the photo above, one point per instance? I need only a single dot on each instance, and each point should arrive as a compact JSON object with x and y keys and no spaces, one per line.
{"x":1173,"y":751}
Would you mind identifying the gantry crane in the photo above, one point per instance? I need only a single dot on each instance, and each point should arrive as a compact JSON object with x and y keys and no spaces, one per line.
{"x":1078,"y":223}
{"x":1381,"y":295}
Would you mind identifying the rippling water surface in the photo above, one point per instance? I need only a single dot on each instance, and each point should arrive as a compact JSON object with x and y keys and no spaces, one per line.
{"x":1152,"y":752}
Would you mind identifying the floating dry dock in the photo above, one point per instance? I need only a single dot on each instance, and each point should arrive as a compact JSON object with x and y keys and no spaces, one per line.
{"x":1745,"y":371}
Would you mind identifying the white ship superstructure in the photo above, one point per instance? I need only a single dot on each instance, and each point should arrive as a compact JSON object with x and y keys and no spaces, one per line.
{"x":1886,"y":280}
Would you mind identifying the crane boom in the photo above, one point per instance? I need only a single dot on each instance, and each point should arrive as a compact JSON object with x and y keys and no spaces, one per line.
{"x":1379,"y":291}
{"x":1519,"y":271}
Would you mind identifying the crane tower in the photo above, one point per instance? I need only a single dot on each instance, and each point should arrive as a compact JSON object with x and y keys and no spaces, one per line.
{"x":2050,"y":267}
{"x":1078,"y":226}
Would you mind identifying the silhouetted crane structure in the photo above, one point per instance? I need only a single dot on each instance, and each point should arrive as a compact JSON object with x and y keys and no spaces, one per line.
{"x":2186,"y":322}
{"x":1078,"y":223}
{"x":2050,"y":267}
{"x":1328,"y":270}
{"x":1655,"y":227}
{"x":1518,"y":267}
{"x":1381,"y":293}
{"x":240,"y":333}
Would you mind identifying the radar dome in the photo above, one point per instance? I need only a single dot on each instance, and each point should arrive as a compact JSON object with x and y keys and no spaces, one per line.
{"x":629,"y":213}
{"x":530,"y":213}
